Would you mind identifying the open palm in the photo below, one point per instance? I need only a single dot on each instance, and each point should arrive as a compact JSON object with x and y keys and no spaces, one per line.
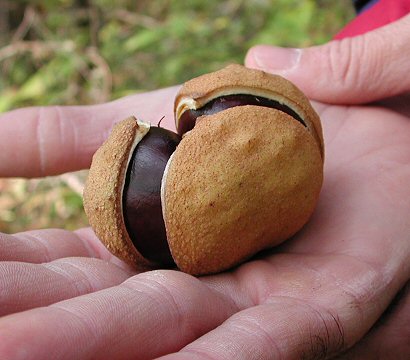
{"x":66,"y":297}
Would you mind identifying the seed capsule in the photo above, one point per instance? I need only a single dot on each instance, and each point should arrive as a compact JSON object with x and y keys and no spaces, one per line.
{"x":245,"y":176}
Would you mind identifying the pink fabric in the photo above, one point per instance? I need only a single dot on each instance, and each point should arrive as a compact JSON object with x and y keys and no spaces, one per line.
{"x":382,"y":13}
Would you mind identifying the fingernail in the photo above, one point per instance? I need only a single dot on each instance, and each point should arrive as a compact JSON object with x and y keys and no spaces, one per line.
{"x":276,"y":59}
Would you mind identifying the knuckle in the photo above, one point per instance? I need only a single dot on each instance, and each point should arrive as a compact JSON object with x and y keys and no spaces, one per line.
{"x":358,"y":65}
{"x":328,"y":337}
{"x":342,"y":62}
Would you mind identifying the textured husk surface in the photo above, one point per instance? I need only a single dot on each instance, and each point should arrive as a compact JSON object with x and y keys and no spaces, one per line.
{"x":239,"y":79}
{"x":103,"y":193}
{"x":242,"y":180}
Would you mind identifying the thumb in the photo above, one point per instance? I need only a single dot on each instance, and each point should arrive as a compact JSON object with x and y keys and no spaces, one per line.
{"x":354,"y":70}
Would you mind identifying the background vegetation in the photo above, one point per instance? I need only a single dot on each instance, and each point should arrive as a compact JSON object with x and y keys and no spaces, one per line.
{"x":90,"y":51}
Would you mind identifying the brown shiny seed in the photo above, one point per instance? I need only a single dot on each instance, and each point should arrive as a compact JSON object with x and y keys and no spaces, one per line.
{"x":142,"y":195}
{"x":188,"y":118}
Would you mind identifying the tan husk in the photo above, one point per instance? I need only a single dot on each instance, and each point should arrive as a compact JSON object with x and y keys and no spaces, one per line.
{"x":237,"y":79}
{"x":104,"y":187}
{"x":242,"y":180}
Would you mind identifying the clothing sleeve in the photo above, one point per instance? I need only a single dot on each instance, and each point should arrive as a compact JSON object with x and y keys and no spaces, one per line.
{"x":373,"y":14}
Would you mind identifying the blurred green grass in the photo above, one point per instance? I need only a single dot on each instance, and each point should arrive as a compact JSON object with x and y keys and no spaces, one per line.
{"x":91,"y":51}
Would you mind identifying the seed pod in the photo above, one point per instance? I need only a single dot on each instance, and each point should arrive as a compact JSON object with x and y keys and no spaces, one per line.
{"x":245,"y":176}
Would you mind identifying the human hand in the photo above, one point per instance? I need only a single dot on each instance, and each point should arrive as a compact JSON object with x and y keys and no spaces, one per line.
{"x":372,"y":68}
{"x":313,"y":297}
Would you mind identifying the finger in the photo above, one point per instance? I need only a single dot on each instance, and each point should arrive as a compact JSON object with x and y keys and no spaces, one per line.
{"x":389,"y":338}
{"x":280,"y":330}
{"x":39,"y":246}
{"x":149,"y":315}
{"x":355,"y":70}
{"x":26,"y":286}
{"x":307,"y":307}
{"x":51,"y":140}
{"x":160,"y":312}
